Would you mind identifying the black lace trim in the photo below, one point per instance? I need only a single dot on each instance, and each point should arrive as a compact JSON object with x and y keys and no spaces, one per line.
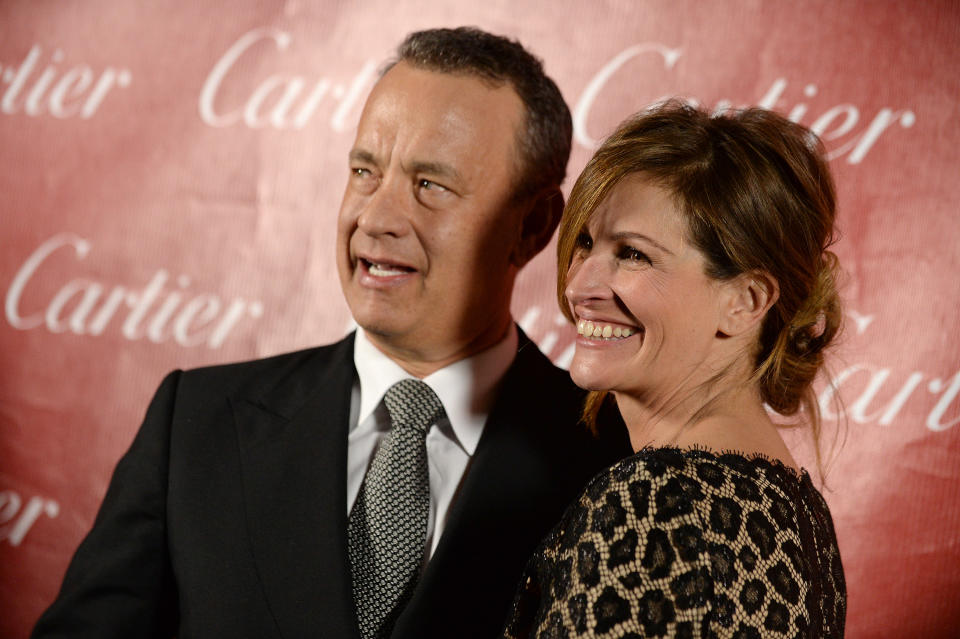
{"x":757,"y":460}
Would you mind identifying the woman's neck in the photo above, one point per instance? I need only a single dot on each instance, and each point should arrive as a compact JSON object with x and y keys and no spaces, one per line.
{"x":733,"y":418}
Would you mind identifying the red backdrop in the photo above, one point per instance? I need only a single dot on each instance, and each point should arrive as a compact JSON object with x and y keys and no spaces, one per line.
{"x":170,"y":176}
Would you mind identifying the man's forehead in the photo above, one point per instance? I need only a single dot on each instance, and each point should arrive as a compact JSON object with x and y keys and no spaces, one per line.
{"x":404,"y":69}
{"x":410,"y":105}
{"x":431,"y":92}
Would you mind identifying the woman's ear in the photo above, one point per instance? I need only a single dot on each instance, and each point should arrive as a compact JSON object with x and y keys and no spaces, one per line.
{"x":537,"y":226}
{"x":746,"y":300}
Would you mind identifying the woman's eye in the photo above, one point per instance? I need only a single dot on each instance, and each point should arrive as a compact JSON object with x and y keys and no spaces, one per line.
{"x":632,"y":255}
{"x":584,"y":241}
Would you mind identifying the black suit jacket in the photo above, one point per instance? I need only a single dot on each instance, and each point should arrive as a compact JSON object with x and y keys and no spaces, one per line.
{"x":227,"y":517}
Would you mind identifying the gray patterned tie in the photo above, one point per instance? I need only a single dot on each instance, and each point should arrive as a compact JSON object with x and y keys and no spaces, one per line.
{"x":388,"y":523}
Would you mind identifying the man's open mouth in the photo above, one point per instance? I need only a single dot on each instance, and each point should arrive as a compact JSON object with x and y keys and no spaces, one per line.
{"x":385,"y":269}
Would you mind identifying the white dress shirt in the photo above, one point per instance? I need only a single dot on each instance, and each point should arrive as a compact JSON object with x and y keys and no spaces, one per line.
{"x":466,"y":388}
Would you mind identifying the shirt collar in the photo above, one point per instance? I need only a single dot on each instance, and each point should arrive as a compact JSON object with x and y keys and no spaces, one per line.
{"x":466,"y":387}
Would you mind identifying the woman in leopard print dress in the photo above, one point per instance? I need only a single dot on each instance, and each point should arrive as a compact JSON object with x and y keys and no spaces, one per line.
{"x":693,"y":259}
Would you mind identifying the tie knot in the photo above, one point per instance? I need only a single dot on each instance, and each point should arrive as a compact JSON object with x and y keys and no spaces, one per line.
{"x":413,"y":404}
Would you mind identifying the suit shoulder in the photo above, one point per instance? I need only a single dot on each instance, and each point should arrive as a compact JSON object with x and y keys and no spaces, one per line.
{"x":259,"y":376}
{"x":536,"y":379}
{"x":534,"y":369}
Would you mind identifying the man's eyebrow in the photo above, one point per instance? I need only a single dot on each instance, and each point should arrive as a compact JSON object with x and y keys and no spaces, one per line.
{"x":360,"y":155}
{"x":630,"y":235}
{"x":438,"y":169}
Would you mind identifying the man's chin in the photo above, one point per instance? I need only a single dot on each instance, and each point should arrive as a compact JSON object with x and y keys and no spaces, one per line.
{"x":385,"y":327}
{"x":375,"y":311}
{"x":379,"y":328}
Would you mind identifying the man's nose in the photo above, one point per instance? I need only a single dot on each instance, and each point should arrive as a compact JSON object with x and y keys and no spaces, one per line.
{"x":589,"y":279}
{"x":387,"y":210}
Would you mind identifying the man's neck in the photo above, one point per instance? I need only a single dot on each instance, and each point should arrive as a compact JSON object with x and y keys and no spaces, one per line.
{"x":421,"y":362}
{"x":467,"y":387}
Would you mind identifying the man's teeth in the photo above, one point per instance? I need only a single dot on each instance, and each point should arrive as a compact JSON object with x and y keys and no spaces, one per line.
{"x":383,"y":270}
{"x":602,"y":331}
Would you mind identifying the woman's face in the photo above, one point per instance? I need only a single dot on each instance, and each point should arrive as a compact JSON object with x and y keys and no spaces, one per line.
{"x":647,"y":314}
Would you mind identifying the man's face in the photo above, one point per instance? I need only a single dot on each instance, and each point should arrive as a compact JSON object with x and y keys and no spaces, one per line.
{"x":427,"y":232}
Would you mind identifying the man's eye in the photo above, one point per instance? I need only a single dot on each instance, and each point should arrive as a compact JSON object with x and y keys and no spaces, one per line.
{"x":429,"y":185}
{"x":632,"y":255}
{"x":360,"y":172}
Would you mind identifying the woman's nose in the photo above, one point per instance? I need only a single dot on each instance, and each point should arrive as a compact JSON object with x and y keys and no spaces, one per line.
{"x":588,"y":279}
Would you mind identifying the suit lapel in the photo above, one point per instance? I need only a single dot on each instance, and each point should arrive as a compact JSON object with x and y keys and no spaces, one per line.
{"x":532,"y":460}
{"x":293,"y":445}
{"x":499,"y":514}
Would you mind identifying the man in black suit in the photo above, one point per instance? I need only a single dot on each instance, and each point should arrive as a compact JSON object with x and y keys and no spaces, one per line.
{"x":228,"y":516}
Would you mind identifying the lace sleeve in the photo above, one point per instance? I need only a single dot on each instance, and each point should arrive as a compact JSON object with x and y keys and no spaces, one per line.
{"x":626,"y":560}
{"x":671,"y":544}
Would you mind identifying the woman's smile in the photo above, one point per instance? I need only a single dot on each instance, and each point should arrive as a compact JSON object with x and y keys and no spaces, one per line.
{"x":599,"y":330}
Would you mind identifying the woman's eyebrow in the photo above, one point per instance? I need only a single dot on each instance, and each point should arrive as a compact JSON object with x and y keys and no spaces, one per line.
{"x":630,"y":235}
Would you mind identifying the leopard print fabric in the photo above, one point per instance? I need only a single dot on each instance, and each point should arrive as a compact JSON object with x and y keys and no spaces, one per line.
{"x":672,"y":543}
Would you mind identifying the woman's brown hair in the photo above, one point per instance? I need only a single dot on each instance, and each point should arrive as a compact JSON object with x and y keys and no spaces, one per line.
{"x":757,"y":195}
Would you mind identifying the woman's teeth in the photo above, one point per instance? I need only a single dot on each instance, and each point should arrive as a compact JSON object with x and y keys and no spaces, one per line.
{"x":602,"y":331}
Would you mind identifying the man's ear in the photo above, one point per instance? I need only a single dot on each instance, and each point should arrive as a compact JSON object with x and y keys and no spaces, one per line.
{"x":540,"y":219}
{"x":747,"y":298}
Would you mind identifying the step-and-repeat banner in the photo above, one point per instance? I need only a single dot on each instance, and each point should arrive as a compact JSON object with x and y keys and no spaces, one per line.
{"x":170,"y":175}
